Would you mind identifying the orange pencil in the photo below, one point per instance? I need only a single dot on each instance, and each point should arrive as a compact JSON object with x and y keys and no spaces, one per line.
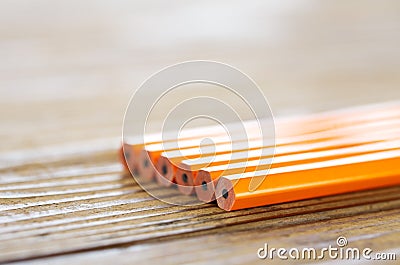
{"x":205,"y":191}
{"x":238,"y":156}
{"x":304,"y":181}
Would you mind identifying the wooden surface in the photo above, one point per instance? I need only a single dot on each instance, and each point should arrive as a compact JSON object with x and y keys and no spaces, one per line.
{"x":67,"y":70}
{"x":83,"y":209}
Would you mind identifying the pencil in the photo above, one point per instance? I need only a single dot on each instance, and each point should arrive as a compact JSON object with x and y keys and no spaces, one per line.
{"x":238,"y":156}
{"x":205,"y":189}
{"x":305,"y":181}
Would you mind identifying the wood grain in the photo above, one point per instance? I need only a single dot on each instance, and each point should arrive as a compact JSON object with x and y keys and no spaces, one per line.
{"x":94,"y":208}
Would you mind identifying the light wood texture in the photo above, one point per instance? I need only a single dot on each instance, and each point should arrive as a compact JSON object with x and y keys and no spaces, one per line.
{"x":80,"y":210}
{"x":67,"y":70}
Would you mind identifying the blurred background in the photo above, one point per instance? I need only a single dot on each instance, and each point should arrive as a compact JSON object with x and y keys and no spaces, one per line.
{"x":68,"y":68}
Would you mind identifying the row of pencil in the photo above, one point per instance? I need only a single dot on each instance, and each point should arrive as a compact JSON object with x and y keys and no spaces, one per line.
{"x":311,"y":156}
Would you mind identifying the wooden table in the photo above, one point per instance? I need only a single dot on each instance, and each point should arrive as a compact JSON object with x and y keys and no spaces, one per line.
{"x":67,"y":69}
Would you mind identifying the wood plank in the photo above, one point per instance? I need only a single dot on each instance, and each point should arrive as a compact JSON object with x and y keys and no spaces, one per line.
{"x":47,"y":218}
